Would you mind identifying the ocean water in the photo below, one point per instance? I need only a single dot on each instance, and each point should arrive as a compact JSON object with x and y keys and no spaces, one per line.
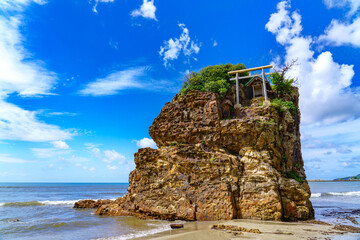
{"x":334,"y":201}
{"x":45,"y":210}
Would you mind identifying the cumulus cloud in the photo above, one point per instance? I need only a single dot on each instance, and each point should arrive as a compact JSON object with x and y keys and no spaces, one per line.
{"x":174,"y":47}
{"x":145,"y":142}
{"x":342,"y":33}
{"x":107,"y":156}
{"x":147,"y":10}
{"x":326,"y":95}
{"x":352,"y":5}
{"x":282,"y":25}
{"x":60,"y":144}
{"x":112,"y":155}
{"x":115,"y":82}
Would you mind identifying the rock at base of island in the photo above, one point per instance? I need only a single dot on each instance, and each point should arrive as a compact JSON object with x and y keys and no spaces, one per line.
{"x":88,"y":203}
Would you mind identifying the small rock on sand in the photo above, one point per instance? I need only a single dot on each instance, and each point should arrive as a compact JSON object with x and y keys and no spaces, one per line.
{"x":176,"y":226}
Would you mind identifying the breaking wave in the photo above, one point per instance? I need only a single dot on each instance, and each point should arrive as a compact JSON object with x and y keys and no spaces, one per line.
{"x":36,"y":203}
{"x":138,"y":234}
{"x":40,"y":203}
{"x":327,"y":194}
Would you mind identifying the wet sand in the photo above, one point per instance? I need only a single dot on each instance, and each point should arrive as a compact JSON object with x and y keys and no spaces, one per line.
{"x":269,"y":230}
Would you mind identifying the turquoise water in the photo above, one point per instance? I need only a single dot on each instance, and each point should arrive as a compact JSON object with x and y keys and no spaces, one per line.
{"x":45,"y":210}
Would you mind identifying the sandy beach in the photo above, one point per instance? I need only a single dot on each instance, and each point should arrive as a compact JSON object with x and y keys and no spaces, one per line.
{"x":269,"y":230}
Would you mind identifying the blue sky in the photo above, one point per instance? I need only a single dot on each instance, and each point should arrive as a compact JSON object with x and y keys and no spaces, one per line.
{"x":81,"y":81}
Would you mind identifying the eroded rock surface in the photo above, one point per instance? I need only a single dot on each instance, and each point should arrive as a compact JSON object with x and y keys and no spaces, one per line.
{"x":206,"y":167}
{"x":88,"y":203}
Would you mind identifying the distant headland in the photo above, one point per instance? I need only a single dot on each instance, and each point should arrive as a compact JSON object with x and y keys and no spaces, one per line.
{"x":344,"y":179}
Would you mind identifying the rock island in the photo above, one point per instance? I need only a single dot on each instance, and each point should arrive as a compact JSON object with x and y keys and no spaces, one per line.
{"x":226,"y":151}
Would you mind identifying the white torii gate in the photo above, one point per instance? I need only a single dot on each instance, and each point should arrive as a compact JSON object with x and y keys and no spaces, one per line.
{"x":262,"y":75}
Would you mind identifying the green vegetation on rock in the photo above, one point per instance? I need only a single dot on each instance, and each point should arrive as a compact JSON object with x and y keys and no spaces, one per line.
{"x":294,"y":175}
{"x":281,"y":106}
{"x":211,"y":79}
{"x":281,"y":85}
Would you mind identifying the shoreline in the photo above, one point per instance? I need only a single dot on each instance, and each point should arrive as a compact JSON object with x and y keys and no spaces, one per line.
{"x":269,"y":230}
{"x":321,"y":180}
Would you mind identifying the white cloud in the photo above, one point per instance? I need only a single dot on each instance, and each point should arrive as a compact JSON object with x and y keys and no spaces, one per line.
{"x":6,"y":158}
{"x":74,"y":158}
{"x":22,"y":75}
{"x":110,"y":167}
{"x":147,"y":10}
{"x":325,"y":92}
{"x":174,"y":47}
{"x":100,"y":1}
{"x":112,"y":155}
{"x":354,"y":5}
{"x":12,"y":5}
{"x":342,"y":33}
{"x":115,"y":82}
{"x":44,"y":152}
{"x":215,"y":43}
{"x":145,"y":142}
{"x":107,"y":156}
{"x":284,"y":26}
{"x":96,"y":152}
{"x":26,"y":77}
{"x":51,"y":165}
{"x":48,"y":114}
{"x":19,"y":124}
{"x":40,"y":2}
{"x":50,"y":152}
{"x":60,"y":144}
{"x":85,"y":167}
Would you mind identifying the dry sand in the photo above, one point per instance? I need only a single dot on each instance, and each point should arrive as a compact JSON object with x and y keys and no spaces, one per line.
{"x":269,"y":230}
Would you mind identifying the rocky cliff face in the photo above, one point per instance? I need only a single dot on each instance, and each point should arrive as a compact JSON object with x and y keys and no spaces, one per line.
{"x":206,"y":167}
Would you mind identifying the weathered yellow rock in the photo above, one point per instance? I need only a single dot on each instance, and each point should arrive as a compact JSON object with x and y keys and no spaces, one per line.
{"x":210,"y":168}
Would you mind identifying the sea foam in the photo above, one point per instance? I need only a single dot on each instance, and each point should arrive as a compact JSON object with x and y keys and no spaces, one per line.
{"x":36,"y":203}
{"x":138,"y":234}
{"x":350,"y":194}
{"x":39,"y":203}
